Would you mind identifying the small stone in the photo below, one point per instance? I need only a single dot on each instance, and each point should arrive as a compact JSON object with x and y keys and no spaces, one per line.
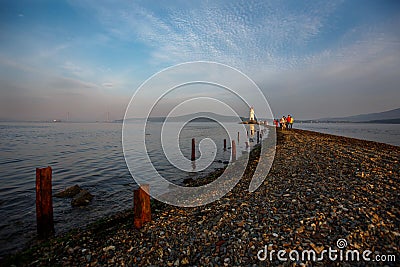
{"x":185,"y":261}
{"x":108,"y":248}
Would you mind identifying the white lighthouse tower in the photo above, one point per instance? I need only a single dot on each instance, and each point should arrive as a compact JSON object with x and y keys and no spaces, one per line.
{"x":251,"y":114}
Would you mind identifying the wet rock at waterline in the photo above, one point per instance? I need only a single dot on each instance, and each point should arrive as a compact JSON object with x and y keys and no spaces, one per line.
{"x":80,"y":197}
{"x":69,"y":192}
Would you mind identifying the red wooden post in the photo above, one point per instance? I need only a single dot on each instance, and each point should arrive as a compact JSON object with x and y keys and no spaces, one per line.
{"x":224,"y":144}
{"x":233,"y":151}
{"x":193,"y":158}
{"x":44,"y":202}
{"x":141,"y":206}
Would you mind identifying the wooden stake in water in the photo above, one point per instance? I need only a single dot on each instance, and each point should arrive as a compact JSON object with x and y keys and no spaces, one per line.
{"x":193,"y":158}
{"x":224,"y":144}
{"x":233,"y":151}
{"x":238,"y":137}
{"x":44,"y":202}
{"x":258,"y":137}
{"x":141,"y":206}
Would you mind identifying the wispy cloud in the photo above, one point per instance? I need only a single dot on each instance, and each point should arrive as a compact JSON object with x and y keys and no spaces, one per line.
{"x":303,"y":54}
{"x":238,"y":33}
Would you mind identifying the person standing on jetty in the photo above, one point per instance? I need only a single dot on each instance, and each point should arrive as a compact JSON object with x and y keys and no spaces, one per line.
{"x":283,"y":123}
{"x":288,"y":119}
{"x":291,"y":122}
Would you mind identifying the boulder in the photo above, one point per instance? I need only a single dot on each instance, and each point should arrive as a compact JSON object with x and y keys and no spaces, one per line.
{"x":69,"y":192}
{"x":82,"y":199}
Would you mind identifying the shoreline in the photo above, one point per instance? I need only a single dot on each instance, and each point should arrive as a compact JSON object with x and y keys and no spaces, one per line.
{"x":321,"y":187}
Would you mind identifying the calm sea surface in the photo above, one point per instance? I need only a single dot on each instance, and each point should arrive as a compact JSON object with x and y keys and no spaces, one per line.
{"x":383,"y":133}
{"x":87,"y":154}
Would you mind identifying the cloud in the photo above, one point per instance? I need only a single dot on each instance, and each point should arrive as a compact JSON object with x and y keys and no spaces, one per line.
{"x":238,"y":33}
{"x":357,"y":78}
{"x":307,"y":56}
{"x":108,"y":85}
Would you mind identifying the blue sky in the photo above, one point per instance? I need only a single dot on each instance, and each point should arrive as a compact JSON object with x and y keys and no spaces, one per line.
{"x":310,"y":58}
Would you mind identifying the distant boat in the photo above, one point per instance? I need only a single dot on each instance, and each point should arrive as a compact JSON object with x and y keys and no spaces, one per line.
{"x":56,"y":120}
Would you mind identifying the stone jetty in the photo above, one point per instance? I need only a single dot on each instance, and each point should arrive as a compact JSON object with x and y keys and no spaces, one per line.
{"x":321,"y":188}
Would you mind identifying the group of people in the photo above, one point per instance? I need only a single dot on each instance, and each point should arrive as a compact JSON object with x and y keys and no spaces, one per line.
{"x":284,"y":122}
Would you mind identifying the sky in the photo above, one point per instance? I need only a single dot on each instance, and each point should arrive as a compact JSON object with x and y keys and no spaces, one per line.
{"x":311,"y":59}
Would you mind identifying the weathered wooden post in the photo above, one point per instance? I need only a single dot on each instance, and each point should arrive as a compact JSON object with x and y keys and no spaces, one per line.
{"x":224,"y":144}
{"x":233,"y":151}
{"x":141,"y":206}
{"x":193,"y":158}
{"x":238,"y":137}
{"x":44,"y":202}
{"x":258,"y":137}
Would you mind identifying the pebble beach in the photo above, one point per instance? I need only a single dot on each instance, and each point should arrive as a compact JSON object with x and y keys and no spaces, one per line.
{"x":321,"y":188}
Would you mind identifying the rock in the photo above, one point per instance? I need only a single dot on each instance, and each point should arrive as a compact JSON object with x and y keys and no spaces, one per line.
{"x":105,"y":249}
{"x":69,"y":192}
{"x":82,"y":199}
{"x":188,"y":181}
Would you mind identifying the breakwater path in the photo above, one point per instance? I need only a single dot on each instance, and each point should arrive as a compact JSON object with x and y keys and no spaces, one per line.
{"x":321,"y":188}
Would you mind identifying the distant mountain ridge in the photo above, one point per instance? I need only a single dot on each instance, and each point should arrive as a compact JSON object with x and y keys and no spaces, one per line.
{"x":198,"y":117}
{"x":390,"y":116}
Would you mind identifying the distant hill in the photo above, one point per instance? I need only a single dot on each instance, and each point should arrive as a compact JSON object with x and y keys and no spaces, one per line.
{"x":200,"y":117}
{"x":392,"y":121}
{"x":390,"y":116}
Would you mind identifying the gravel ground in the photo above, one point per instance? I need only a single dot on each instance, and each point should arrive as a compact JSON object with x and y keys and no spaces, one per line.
{"x":321,"y":188}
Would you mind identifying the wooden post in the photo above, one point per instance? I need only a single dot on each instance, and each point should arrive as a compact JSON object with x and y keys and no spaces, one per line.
{"x":247,"y":144}
{"x":141,"y":206}
{"x":233,"y":151}
{"x":224,"y":144}
{"x":44,"y":202}
{"x":238,"y":137}
{"x":193,"y":158}
{"x":258,"y":137}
